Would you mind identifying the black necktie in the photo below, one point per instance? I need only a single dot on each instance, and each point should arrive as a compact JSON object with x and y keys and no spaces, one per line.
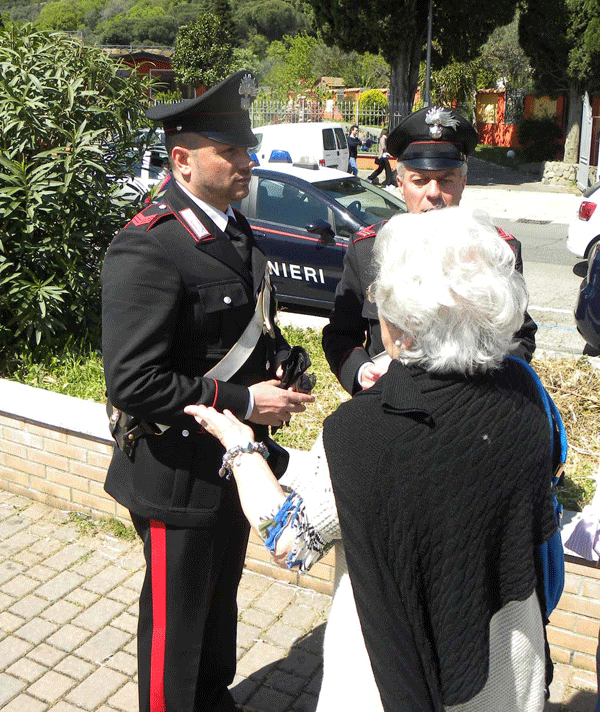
{"x":240,"y":240}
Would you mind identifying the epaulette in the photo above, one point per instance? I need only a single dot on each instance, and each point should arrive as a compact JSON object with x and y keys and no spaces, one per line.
{"x":364,"y":233}
{"x":148,"y":217}
{"x":505,"y":235}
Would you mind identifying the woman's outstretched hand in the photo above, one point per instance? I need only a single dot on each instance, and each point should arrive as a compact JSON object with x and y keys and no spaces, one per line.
{"x":224,"y":426}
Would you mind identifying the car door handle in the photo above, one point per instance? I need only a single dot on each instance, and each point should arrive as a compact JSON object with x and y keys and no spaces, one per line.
{"x":258,"y":233}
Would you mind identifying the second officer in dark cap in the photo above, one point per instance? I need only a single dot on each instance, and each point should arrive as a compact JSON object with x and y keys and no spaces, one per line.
{"x":432,"y":146}
{"x":186,"y":319}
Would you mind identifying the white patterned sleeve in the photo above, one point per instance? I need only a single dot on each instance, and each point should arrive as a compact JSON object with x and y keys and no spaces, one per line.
{"x":309,"y":511}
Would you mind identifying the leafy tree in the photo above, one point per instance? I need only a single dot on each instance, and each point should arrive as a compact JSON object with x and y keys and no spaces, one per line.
{"x":502,"y":59}
{"x":456,"y":82}
{"x":203,"y":51}
{"x":271,"y":18}
{"x":293,"y":65}
{"x":372,"y":106}
{"x":61,"y":15}
{"x":397,"y":30}
{"x":62,"y":105}
{"x":562,"y":40}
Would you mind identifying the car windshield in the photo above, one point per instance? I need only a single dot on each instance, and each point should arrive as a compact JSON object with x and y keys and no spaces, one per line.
{"x":368,"y":204}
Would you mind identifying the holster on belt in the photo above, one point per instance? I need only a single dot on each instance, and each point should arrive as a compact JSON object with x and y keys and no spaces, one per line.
{"x":127,"y":429}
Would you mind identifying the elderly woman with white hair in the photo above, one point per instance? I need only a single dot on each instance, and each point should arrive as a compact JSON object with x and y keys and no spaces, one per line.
{"x":437,"y":478}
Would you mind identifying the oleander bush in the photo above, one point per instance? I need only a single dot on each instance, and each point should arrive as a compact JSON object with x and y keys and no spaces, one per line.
{"x":69,"y":120}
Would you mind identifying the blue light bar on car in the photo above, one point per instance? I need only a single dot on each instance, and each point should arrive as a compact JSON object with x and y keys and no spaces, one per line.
{"x":278,"y":156}
{"x":254,"y":157}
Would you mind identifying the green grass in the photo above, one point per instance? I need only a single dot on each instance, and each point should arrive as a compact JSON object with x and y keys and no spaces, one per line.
{"x":573,"y":383}
{"x":91,"y":527}
{"x":497,"y":154}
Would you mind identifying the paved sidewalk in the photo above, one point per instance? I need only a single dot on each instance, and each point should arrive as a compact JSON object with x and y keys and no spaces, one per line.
{"x":68,"y":608}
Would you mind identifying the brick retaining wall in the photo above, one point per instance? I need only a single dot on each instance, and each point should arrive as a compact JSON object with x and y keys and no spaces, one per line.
{"x":55,"y":449}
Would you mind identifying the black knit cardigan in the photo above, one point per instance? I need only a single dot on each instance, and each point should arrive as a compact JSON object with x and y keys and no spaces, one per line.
{"x":442,"y":485}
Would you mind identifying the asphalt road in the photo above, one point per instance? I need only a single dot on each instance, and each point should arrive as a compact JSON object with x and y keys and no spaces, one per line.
{"x":553,"y":277}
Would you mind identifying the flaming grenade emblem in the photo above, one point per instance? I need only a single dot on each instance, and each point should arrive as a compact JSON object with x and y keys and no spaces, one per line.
{"x":248,"y":91}
{"x":437,"y":118}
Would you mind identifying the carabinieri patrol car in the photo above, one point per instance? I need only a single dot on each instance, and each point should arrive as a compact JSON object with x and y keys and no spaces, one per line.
{"x":303,"y":217}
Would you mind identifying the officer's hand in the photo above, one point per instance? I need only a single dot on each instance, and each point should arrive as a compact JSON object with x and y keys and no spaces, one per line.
{"x":370,"y":373}
{"x":273,"y":405}
{"x":224,"y":426}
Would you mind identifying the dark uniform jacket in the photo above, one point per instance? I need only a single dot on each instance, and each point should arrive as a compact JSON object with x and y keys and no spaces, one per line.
{"x":176,"y":296}
{"x":354,"y":317}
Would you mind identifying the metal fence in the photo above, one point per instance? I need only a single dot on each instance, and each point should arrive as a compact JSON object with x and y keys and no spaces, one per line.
{"x":302,"y":110}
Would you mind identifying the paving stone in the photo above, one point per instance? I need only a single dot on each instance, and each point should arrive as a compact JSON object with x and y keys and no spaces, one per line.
{"x":299,"y":662}
{"x":126,"y":622}
{"x":8,"y":570}
{"x":28,"y":559}
{"x":9,"y":527}
{"x":104,"y":644}
{"x":123,"y":662}
{"x":61,"y":612}
{"x":46,"y":547}
{"x":40,"y":572}
{"x":16,"y":543}
{"x":63,"y":706}
{"x":305,"y":703}
{"x":12,"y":649}
{"x":242,"y":688}
{"x":98,"y":614}
{"x":96,"y":689}
{"x":124,"y":595}
{"x":75,"y":667}
{"x":9,"y":622}
{"x":126,"y":698}
{"x":284,"y":682}
{"x":59,"y":586}
{"x":314,"y":686}
{"x":9,"y":688}
{"x":66,"y":557}
{"x":51,"y":686}
{"x":6,"y":601}
{"x":301,"y":617}
{"x":29,"y":607}
{"x":131,"y":647}
{"x":81,"y":598}
{"x":46,"y":655}
{"x":259,"y":660}
{"x":69,"y":637}
{"x":283,"y":635}
{"x":25,"y":703}
{"x":36,"y":630}
{"x":247,"y":635}
{"x":259,"y":619}
{"x":27,"y":670}
{"x":255,"y":581}
{"x":20,"y":586}
{"x":272,"y":700}
{"x":275,"y":599}
{"x":135,"y":582}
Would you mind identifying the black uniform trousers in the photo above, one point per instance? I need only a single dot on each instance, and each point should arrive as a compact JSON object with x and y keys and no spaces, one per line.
{"x":188,"y":613}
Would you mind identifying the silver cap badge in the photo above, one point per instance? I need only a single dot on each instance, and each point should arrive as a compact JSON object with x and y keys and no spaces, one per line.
{"x":437,"y":118}
{"x":248,"y":91}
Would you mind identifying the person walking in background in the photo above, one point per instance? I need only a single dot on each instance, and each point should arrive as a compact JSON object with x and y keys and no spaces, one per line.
{"x":353,"y":143}
{"x":180,"y":284}
{"x":383,"y":161}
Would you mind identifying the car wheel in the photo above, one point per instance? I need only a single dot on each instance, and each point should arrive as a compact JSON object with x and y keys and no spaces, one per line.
{"x":590,"y":247}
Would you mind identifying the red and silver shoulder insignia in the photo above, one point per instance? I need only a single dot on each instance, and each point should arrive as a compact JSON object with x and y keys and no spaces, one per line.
{"x":141,"y":219}
{"x":196,"y":227}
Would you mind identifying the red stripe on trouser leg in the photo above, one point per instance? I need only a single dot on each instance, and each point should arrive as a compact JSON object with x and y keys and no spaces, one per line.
{"x":158,"y":553}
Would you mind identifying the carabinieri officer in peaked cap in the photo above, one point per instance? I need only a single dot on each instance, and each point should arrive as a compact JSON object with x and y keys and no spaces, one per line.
{"x":432,"y":146}
{"x":180,"y":285}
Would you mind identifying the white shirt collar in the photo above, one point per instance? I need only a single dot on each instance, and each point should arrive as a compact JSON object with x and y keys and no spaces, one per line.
{"x":217,"y":216}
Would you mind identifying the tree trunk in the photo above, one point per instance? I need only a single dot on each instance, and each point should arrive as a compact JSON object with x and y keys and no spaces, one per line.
{"x":404,"y":80}
{"x":573,"y":133}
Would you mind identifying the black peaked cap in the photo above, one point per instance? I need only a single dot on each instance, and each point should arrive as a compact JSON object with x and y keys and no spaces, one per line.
{"x":433,"y":138}
{"x":221,"y":113}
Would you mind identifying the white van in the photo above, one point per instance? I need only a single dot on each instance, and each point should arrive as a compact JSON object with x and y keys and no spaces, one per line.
{"x":322,"y":143}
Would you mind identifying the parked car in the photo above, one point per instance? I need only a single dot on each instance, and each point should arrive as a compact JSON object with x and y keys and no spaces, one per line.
{"x":323,"y":143}
{"x":584,"y":229}
{"x":303,"y":219}
{"x":587,"y":310}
